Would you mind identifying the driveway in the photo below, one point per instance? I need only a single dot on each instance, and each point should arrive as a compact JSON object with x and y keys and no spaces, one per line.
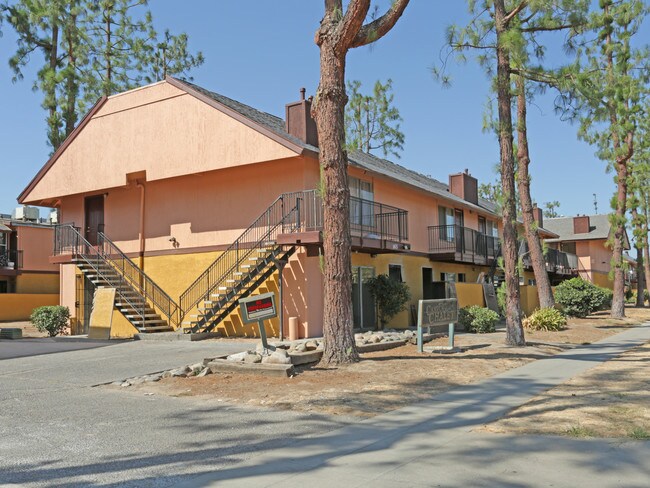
{"x":58,"y":429}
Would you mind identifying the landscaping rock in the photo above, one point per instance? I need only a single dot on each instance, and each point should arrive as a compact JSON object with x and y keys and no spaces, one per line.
{"x":167,"y":374}
{"x":302,"y":347}
{"x":252,"y":358}
{"x":206,"y":371}
{"x":240,"y":356}
{"x":280,"y":356}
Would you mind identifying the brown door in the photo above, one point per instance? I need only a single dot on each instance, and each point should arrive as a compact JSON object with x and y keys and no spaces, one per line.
{"x":94,"y":218}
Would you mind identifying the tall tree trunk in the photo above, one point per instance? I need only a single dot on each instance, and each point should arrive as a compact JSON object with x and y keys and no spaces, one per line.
{"x":640,"y":278}
{"x":646,"y":248}
{"x":329,"y":113}
{"x":514,"y":329}
{"x":72,"y":86}
{"x":618,"y":300}
{"x":50,"y":90}
{"x":544,"y":290}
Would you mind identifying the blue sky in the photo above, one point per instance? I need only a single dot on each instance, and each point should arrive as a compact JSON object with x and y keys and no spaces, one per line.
{"x":261,"y":53}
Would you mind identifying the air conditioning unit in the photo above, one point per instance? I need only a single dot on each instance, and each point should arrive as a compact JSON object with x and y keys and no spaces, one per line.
{"x":26,"y":213}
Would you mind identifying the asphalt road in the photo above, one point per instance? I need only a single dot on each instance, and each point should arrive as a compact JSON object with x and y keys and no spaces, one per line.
{"x":58,"y":429}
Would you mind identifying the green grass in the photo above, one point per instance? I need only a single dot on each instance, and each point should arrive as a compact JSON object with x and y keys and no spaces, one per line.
{"x":579,"y":431}
{"x":640,"y":434}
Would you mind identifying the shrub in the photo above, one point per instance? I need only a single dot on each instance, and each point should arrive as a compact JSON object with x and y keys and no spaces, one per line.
{"x":501,"y":298}
{"x":579,"y":298}
{"x":477,"y":319}
{"x":545,"y":319}
{"x":50,"y":319}
{"x":391,"y":296}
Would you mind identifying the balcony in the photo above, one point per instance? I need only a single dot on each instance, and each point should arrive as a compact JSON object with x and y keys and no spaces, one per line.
{"x":11,"y":260}
{"x":455,"y":243}
{"x":557,"y":262}
{"x":374,"y":226}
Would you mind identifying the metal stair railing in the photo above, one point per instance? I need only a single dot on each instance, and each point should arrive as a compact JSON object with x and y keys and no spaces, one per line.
{"x":68,"y":240}
{"x":262,"y":232}
{"x":139,"y":280}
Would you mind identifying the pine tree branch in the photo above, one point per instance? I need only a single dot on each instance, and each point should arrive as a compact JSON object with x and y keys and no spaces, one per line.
{"x":351,"y":23}
{"x":513,"y":13}
{"x":378,"y":28}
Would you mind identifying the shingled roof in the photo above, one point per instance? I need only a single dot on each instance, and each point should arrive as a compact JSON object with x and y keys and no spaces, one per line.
{"x":359,"y":159}
{"x":599,"y":228}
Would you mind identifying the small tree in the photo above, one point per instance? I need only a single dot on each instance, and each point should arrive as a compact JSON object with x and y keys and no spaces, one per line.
{"x":371,"y":121}
{"x":50,"y":319}
{"x":550,"y":211}
{"x":391,"y":296}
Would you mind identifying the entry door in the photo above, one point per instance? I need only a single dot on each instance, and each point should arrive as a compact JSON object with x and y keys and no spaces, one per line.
{"x":427,"y":284}
{"x":94,"y":218}
{"x":363,"y":304}
{"x":459,"y":222}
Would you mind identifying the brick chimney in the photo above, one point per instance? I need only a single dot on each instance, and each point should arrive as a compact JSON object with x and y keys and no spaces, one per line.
{"x":581,"y":224}
{"x":299,"y":122}
{"x":465,"y":186}
{"x":538,"y":215}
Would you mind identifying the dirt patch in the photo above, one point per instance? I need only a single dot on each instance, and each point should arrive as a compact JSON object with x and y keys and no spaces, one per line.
{"x":610,"y":400}
{"x":29,"y":331}
{"x":387,"y":380}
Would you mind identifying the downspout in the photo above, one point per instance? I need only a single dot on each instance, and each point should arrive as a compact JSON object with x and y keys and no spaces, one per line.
{"x":142,"y":241}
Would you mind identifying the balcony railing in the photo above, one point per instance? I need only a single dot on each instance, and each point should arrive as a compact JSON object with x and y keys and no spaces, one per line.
{"x":368,"y":219}
{"x":11,"y":259}
{"x":463,"y":244}
{"x":556,"y":261}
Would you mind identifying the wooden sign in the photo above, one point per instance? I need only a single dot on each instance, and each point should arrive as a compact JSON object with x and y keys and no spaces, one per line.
{"x":437,"y":312}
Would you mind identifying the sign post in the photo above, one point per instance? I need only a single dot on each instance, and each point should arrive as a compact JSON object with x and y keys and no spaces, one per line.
{"x":437,"y":312}
{"x":257,"y":309}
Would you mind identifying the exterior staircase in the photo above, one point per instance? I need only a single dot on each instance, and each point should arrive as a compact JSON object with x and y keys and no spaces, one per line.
{"x":142,"y":302}
{"x":244,"y":266}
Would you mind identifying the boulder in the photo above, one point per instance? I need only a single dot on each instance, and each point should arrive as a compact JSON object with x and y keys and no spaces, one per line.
{"x":280,"y":356}
{"x":206,"y":371}
{"x":240,"y":356}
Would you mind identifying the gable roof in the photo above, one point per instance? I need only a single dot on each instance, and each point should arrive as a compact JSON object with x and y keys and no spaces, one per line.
{"x":276,"y":125}
{"x":599,"y":228}
{"x":275,"y":128}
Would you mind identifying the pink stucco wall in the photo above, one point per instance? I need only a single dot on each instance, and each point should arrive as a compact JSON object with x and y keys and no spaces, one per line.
{"x":37,"y":244}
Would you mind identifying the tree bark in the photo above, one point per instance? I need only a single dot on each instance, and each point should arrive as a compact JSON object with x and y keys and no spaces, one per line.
{"x":338,"y":33}
{"x":514,"y":329}
{"x":646,"y":249}
{"x":640,"y":278}
{"x":328,"y":110}
{"x":544,"y":290}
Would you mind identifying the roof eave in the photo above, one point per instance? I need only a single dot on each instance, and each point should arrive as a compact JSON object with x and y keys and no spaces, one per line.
{"x":22,"y":198}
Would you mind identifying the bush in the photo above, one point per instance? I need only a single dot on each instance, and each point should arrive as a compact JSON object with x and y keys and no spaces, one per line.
{"x":50,"y":319}
{"x":477,"y":319}
{"x":391,"y":296}
{"x":579,"y":298}
{"x":545,"y":319}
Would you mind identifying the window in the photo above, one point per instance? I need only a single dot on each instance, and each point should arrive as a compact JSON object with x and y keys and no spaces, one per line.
{"x":446,"y":221}
{"x":451,"y":277}
{"x":522,"y":281}
{"x":395,"y":272}
{"x":532,"y":283}
{"x":462,"y":278}
{"x":492,"y":229}
{"x":361,"y":212}
{"x":568,"y":247}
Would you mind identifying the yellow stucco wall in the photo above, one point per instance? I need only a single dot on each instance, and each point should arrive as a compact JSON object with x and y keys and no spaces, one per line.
{"x":412,"y":276}
{"x":19,"y":306}
{"x":602,"y":279}
{"x":529,"y":299}
{"x":121,"y":328}
{"x":175,"y":272}
{"x":37,"y":283}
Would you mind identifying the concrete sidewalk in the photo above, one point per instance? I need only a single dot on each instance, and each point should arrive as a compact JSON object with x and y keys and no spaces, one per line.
{"x":432,"y":443}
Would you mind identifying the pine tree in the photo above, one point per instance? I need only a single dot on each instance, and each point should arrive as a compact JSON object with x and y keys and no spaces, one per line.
{"x":340,"y":30}
{"x":372,"y":122}
{"x":604,"y":90}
